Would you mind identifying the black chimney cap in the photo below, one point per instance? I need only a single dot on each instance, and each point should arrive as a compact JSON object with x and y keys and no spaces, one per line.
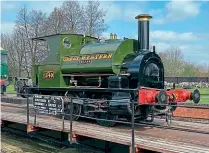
{"x":143,"y":17}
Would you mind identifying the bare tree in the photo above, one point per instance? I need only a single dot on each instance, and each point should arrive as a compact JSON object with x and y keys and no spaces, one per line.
{"x":23,"y":25}
{"x":207,"y":70}
{"x":93,"y":19}
{"x":37,"y":19}
{"x":72,"y":16}
{"x":203,"y":70}
{"x":18,"y":49}
{"x":190,"y":69}
{"x":173,"y":61}
{"x":175,"y":65}
{"x":7,"y":44}
{"x":69,"y":18}
{"x":31,"y":25}
{"x":55,"y":22}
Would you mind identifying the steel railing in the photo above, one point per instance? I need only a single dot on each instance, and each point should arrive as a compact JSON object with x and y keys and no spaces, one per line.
{"x":131,"y":103}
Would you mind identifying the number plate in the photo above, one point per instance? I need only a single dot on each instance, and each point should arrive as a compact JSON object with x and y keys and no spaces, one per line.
{"x":48,"y":75}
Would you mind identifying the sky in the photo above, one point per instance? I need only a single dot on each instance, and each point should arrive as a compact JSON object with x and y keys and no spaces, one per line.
{"x":183,"y":24}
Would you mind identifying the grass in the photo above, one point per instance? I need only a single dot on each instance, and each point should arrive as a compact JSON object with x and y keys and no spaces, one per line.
{"x":204,"y":95}
{"x":10,"y":89}
{"x":204,"y":91}
{"x":12,"y":143}
{"x":204,"y":99}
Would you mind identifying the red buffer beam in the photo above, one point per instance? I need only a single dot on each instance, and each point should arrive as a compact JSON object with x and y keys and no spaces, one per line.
{"x":156,"y":96}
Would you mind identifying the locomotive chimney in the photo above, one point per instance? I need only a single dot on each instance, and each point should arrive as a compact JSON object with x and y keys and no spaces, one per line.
{"x":143,"y":32}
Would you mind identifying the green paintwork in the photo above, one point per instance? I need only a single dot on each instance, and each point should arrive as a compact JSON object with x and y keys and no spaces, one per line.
{"x":105,"y":47}
{"x":4,"y":63}
{"x":56,"y":82}
{"x":51,"y":63}
{"x":54,"y":62}
{"x":119,"y":49}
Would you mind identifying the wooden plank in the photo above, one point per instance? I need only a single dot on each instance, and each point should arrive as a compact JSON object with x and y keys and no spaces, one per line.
{"x":122,"y":136}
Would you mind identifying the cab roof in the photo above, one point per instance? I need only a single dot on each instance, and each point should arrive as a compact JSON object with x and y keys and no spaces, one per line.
{"x":43,"y":38}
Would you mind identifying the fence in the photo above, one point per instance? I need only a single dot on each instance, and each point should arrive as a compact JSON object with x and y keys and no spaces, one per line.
{"x":178,"y":80}
{"x":55,"y":105}
{"x":58,"y":108}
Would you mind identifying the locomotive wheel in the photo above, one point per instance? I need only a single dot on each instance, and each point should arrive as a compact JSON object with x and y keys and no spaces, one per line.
{"x":76,"y":111}
{"x":142,"y":117}
{"x":107,"y":116}
{"x":77,"y":108}
{"x":137,"y":113}
{"x":141,"y":114}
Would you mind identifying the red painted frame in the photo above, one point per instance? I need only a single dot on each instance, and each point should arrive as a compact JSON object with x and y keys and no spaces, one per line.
{"x":148,"y":96}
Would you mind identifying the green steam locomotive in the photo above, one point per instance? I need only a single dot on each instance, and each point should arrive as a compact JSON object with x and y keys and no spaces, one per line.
{"x":77,"y":64}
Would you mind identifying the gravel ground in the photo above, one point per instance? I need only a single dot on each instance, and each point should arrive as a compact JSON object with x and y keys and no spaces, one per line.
{"x":192,"y":113}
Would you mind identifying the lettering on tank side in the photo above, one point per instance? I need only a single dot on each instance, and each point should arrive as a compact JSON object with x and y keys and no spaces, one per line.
{"x":87,"y":57}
